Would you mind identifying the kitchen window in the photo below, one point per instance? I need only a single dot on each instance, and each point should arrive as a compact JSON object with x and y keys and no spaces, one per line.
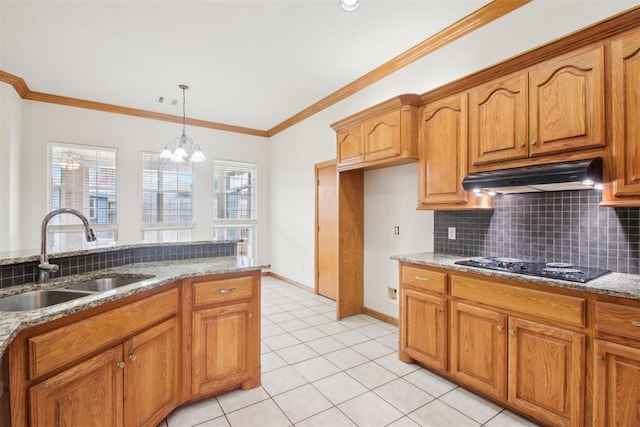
{"x":82,"y":178}
{"x":234,"y":204}
{"x":167,"y":200}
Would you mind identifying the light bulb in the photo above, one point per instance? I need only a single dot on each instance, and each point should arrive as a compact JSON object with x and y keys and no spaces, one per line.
{"x":180,"y":152}
{"x":349,"y":5}
{"x":166,"y":153}
{"x":198,"y":156}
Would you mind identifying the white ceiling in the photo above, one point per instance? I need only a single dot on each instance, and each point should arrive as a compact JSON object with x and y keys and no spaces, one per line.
{"x":248,"y":63}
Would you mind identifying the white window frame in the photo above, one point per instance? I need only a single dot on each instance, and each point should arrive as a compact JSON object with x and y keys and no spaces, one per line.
{"x":76,"y":227}
{"x":176,"y":226}
{"x":231,"y":223}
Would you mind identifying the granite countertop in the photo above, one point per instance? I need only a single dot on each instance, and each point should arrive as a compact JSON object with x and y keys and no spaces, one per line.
{"x":163,"y":272}
{"x":614,"y":284}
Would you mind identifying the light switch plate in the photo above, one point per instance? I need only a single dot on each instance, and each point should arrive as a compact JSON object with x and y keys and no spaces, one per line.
{"x":452,"y":233}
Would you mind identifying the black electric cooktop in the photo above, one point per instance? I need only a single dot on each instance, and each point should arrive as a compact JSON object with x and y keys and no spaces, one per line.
{"x":552,"y":270}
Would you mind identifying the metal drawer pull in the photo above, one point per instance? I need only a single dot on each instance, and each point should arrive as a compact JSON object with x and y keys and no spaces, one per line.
{"x":499,"y":328}
{"x":224,"y":290}
{"x":636,"y":323}
{"x":424,"y":279}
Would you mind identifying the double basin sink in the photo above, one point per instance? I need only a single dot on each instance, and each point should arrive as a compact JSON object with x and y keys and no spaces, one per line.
{"x":34,"y":300}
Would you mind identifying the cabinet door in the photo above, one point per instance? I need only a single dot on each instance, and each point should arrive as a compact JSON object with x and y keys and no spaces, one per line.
{"x":442,"y":151}
{"x":625,"y":104}
{"x":350,"y":146}
{"x":220,"y":343}
{"x":616,"y":389}
{"x":151,"y":374}
{"x":479,"y":348}
{"x":89,"y":394}
{"x":498,"y":117}
{"x":566,"y":103}
{"x":546,"y":371}
{"x":423,"y":330}
{"x":382,"y":137}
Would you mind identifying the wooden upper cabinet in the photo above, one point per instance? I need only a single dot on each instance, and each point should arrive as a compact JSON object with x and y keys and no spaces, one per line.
{"x":442,"y":152}
{"x":566,"y":103}
{"x":498,"y":120}
{"x":624,"y":154}
{"x":350,"y":146}
{"x":380,"y":136}
{"x":553,"y":108}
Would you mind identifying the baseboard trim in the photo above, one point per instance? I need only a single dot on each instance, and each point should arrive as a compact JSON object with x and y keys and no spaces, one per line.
{"x":289,"y":281}
{"x":380,"y":316}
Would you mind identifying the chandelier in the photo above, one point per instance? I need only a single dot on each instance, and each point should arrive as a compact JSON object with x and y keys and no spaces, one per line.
{"x":182,"y":148}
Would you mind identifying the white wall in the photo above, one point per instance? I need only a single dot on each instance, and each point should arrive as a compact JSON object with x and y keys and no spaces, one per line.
{"x":130,"y":135}
{"x":293,"y":152}
{"x":10,"y":187}
{"x":390,"y":199}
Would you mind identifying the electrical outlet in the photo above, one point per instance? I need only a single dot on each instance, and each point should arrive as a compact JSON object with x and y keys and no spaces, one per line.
{"x":396,"y":230}
{"x":452,"y":233}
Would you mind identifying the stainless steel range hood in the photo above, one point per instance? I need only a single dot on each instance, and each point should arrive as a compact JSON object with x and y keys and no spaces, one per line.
{"x":575,"y":175}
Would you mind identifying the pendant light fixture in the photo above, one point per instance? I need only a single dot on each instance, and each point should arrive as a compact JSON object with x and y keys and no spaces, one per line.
{"x":183,"y":148}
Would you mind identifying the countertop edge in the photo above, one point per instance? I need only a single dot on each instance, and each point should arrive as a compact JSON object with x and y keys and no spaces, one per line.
{"x":613,"y":284}
{"x":164,"y":272}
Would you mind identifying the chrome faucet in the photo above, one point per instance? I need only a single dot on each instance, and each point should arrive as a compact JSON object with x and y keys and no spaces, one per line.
{"x":45,"y":267}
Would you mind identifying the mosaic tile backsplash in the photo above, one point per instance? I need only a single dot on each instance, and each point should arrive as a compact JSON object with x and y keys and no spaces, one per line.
{"x":28,"y":272}
{"x":563,"y":226}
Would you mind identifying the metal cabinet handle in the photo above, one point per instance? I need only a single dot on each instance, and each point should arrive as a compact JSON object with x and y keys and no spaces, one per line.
{"x":499,"y":328}
{"x":512,"y":332}
{"x":120,"y":365}
{"x":636,"y":323}
{"x":224,"y":290}
{"x":599,"y":359}
{"x":132,"y":357}
{"x":521,"y":144}
{"x":534,"y":142}
{"x":424,"y":279}
{"x":440,"y":310}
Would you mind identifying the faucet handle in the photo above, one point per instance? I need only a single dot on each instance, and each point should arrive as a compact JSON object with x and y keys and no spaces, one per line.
{"x":49,"y":267}
{"x":91,"y":236}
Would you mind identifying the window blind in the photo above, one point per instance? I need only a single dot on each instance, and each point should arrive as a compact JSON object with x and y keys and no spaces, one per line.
{"x":235,"y":215}
{"x":167,"y":199}
{"x":82,"y":178}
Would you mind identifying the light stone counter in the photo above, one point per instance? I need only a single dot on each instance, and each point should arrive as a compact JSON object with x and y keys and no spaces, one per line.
{"x":163,"y":271}
{"x":614,"y":284}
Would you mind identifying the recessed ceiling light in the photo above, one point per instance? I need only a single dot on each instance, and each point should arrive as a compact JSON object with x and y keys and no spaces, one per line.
{"x":349,"y":5}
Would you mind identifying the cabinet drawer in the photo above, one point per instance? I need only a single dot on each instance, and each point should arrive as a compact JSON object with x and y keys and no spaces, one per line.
{"x":618,"y":319}
{"x":424,"y":279}
{"x":548,"y":305}
{"x":67,"y":344}
{"x":215,"y":291}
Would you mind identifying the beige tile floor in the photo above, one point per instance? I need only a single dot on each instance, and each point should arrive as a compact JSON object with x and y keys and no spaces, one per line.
{"x":320,"y":372}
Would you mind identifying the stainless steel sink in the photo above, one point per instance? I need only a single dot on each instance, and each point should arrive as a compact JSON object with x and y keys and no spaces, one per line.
{"x":34,"y":300}
{"x":106,"y":283}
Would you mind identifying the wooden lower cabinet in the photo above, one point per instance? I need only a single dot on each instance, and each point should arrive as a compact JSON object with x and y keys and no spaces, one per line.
{"x":479,"y":348}
{"x":135,"y":381}
{"x":616,"y":385}
{"x":424,"y":338}
{"x":220,"y":347}
{"x":151,"y":374}
{"x":90,"y":394}
{"x":546,"y":371}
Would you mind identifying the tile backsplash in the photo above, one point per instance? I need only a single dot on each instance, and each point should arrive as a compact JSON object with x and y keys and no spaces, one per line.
{"x":28,"y":272}
{"x":563,"y":226}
